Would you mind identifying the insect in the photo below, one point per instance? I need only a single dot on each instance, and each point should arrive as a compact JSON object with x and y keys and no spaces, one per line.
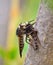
{"x":31,"y":34}
{"x":20,"y":33}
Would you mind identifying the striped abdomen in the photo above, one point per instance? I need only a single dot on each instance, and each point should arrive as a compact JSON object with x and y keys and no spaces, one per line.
{"x":21,"y":44}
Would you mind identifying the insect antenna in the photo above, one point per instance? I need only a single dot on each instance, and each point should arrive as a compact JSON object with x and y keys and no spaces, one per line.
{"x":30,"y":21}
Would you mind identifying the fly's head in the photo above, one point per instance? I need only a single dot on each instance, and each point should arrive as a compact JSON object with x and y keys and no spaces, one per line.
{"x":20,"y":30}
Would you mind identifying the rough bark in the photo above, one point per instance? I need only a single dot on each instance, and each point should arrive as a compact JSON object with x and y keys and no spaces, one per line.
{"x":44,"y":26}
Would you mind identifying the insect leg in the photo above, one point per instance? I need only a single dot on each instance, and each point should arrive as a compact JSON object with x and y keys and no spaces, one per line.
{"x":27,"y":38}
{"x":33,"y":42}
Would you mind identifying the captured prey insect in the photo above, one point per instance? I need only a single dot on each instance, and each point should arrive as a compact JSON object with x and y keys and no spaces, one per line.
{"x":28,"y":30}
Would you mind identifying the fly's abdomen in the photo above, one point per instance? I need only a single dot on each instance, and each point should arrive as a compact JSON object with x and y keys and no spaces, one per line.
{"x":21,"y":44}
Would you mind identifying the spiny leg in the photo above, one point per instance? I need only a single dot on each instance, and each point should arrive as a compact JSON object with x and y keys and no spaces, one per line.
{"x":33,"y":43}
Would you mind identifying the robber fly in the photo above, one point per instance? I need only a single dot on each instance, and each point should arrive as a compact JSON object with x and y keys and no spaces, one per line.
{"x":20,"y":33}
{"x":28,"y":30}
